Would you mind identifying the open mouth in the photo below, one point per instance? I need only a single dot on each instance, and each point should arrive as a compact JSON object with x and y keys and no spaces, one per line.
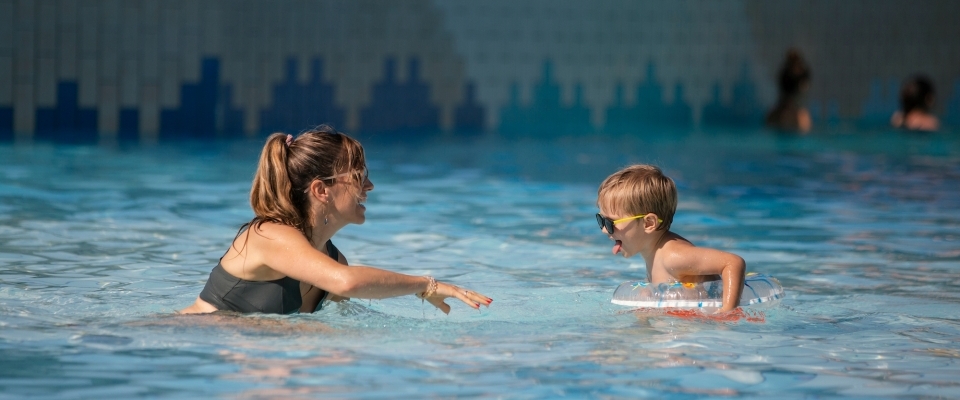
{"x":617,"y":247}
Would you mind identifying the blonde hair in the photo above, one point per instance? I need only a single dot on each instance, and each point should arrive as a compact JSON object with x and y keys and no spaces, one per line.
{"x":288,"y":166}
{"x":640,"y":189}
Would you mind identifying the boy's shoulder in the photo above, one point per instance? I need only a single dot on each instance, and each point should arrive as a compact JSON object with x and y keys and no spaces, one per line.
{"x":672,"y":239}
{"x":674,"y":247}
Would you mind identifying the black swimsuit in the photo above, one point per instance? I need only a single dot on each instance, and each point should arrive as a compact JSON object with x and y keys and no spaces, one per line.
{"x":281,"y":296}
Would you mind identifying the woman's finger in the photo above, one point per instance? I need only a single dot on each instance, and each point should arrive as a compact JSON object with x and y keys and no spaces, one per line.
{"x":466,"y":297}
{"x":477,"y":298}
{"x":439,"y":303}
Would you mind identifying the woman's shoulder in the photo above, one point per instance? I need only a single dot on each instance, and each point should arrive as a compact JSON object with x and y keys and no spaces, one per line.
{"x":922,"y":121}
{"x":257,"y":240}
{"x":272,"y":232}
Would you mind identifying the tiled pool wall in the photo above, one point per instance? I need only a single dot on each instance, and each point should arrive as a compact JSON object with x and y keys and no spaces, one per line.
{"x":149,"y":70}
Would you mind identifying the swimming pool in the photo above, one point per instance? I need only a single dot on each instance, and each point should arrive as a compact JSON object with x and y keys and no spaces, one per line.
{"x":100,"y":244}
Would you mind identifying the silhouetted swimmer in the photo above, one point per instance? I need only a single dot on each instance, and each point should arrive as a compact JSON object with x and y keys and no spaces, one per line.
{"x":916,"y":103}
{"x":789,"y":114}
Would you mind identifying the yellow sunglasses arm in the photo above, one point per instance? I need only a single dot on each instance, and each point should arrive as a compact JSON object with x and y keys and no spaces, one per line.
{"x":633,"y":217}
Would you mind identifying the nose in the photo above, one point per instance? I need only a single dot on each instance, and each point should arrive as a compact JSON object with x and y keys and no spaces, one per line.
{"x":367,"y":184}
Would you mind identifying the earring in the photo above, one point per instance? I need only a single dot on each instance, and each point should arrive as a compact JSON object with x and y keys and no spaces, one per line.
{"x":324,"y":220}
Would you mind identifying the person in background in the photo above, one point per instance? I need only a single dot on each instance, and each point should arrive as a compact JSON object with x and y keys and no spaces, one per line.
{"x":283,"y":261}
{"x":789,"y":114}
{"x":916,"y":103}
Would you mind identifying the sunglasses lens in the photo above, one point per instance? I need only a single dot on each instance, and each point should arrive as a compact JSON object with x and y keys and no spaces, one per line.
{"x":605,"y":223}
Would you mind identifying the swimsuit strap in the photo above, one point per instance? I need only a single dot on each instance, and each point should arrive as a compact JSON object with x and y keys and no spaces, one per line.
{"x":332,"y":251}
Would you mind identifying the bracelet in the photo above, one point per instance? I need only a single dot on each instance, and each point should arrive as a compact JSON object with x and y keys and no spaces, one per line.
{"x":431,"y":288}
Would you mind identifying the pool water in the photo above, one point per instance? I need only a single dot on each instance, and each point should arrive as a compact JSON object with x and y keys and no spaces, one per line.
{"x":99,"y":245}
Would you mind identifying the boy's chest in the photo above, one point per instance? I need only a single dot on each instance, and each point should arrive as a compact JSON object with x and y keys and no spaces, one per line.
{"x":659,"y":274}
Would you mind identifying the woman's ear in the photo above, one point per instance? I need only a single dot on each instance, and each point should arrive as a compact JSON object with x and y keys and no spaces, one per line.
{"x":651,"y":222}
{"x":320,"y":191}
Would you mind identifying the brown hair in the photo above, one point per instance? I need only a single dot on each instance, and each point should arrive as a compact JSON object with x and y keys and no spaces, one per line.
{"x":916,"y":94}
{"x":640,"y":189}
{"x":793,"y":74}
{"x":286,"y":169}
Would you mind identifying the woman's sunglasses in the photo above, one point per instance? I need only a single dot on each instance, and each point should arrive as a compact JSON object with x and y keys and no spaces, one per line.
{"x":361,"y":175}
{"x":608,"y":223}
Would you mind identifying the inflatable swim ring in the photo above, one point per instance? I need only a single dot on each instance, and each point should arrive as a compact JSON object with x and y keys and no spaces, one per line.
{"x":757,"y":288}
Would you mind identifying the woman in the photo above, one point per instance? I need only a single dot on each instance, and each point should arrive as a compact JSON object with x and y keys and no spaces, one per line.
{"x":916,"y":105}
{"x":790,"y":114}
{"x":283,"y":261}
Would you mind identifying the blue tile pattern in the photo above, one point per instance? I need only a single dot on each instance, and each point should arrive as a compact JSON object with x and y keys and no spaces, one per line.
{"x":6,"y":124}
{"x":649,"y":110}
{"x":881,"y":103}
{"x":470,"y":115}
{"x":297,"y":107}
{"x":67,"y":121}
{"x":546,"y":115}
{"x":744,"y":108}
{"x":401,"y":108}
{"x":952,"y":112}
{"x":204,"y":110}
{"x":129,"y":126}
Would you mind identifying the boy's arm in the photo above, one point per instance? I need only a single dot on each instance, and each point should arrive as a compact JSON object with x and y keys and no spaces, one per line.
{"x":705,"y":261}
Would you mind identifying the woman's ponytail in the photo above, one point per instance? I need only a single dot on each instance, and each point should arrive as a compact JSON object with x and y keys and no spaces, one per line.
{"x":271,"y":193}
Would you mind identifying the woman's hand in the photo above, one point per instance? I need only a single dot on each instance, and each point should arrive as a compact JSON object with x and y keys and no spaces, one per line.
{"x":445,"y":290}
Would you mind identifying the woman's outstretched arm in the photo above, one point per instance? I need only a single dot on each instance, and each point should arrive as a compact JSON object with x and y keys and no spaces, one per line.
{"x":285,"y":250}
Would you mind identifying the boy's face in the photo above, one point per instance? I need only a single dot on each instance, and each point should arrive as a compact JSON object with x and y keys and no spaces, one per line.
{"x":627,"y":235}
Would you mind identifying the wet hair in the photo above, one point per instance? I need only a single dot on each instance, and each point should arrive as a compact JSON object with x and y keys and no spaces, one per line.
{"x":793,"y":74}
{"x":285,"y":172}
{"x":640,"y":189}
{"x":916,"y":94}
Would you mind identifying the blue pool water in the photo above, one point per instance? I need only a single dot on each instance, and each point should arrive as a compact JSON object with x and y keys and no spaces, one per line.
{"x":100,"y":244}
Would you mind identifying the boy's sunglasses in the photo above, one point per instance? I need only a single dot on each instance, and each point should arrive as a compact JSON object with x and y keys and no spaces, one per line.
{"x":608,"y":223}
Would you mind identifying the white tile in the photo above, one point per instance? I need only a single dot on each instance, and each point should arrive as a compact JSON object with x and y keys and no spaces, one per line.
{"x":129,"y":82}
{"x":6,"y":85}
{"x":87,"y":84}
{"x":46,"y":82}
{"x":24,"y":108}
{"x":149,"y":112}
{"x":88,"y":25}
{"x":46,"y":28}
{"x":108,"y":112}
{"x":24,"y":42}
{"x":67,"y":36}
{"x":212,"y":27}
{"x":6,"y":27}
{"x":169,"y":84}
{"x":189,"y":41}
{"x":129,"y":29}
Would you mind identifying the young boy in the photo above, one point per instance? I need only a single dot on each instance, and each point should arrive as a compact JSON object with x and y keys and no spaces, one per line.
{"x":637,"y":205}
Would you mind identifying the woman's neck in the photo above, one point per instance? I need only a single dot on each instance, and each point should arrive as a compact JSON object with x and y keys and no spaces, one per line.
{"x":321,"y":234}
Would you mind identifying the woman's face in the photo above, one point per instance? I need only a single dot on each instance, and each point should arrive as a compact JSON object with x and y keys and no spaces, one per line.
{"x":349,"y":194}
